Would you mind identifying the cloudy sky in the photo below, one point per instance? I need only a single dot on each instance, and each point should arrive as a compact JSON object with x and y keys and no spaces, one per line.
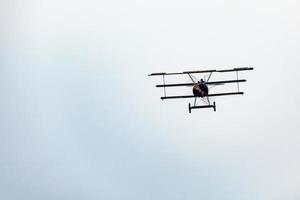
{"x":80,"y":118}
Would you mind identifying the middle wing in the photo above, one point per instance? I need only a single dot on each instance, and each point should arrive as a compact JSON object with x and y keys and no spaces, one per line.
{"x":208,"y":83}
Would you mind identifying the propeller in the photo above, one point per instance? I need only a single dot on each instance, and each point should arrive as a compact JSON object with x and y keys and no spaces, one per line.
{"x":204,"y":100}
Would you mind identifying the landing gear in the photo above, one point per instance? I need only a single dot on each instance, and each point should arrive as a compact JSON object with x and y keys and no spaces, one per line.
{"x":205,"y":106}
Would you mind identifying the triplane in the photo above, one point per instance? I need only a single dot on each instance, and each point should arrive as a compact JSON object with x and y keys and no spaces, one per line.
{"x":201,"y":88}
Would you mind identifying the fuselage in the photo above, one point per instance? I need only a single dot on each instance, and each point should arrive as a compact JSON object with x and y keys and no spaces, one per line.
{"x":200,"y":89}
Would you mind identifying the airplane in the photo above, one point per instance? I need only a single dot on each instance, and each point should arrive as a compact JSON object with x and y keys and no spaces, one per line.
{"x":200,"y":88}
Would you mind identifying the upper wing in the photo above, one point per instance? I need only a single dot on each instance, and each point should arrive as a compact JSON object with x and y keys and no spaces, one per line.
{"x":177,"y":73}
{"x":236,"y":69}
{"x":202,"y":71}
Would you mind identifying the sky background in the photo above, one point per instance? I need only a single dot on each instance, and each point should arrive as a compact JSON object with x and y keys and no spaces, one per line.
{"x":80,"y":118}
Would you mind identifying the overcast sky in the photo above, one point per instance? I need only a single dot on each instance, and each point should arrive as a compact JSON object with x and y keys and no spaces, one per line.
{"x":80,"y":118}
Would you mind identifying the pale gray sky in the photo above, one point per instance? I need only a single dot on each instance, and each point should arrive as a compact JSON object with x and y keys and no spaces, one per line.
{"x":80,"y":119}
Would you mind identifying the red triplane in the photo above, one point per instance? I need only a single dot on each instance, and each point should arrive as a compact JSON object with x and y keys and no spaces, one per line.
{"x":201,"y":87}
